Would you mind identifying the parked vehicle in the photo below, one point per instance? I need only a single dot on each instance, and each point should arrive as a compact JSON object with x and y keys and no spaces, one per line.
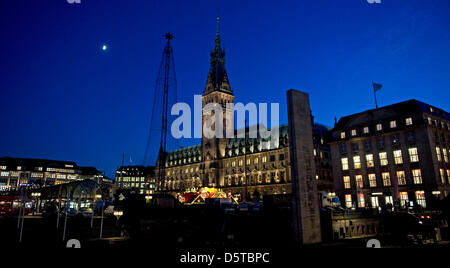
{"x":85,"y":212}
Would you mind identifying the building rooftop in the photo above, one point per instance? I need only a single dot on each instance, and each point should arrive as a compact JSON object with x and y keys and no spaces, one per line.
{"x":405,"y":108}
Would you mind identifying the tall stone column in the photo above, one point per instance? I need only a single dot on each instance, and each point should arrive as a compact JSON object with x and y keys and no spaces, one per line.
{"x":305,"y":207}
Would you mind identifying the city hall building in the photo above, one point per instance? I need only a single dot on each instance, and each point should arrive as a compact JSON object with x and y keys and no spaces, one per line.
{"x":246,"y":167}
{"x":398,"y":152}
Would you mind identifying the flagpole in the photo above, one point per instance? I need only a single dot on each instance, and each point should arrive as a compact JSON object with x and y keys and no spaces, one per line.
{"x":375,"y":94}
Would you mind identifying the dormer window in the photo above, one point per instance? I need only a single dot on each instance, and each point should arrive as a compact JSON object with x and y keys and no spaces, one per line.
{"x":353,"y":132}
{"x":408,"y":121}
{"x":393,"y":124}
{"x":379,"y":127}
{"x":366,"y":130}
{"x":342,"y":135}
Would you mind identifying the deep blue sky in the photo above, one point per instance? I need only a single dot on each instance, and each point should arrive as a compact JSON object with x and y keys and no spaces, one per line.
{"x":63,"y":98}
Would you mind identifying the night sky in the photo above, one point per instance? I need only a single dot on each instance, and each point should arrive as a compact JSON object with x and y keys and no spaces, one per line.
{"x":64,"y":98}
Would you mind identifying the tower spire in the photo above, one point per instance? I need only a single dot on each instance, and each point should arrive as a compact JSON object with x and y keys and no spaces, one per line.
{"x":218,"y":32}
{"x":217,"y":76}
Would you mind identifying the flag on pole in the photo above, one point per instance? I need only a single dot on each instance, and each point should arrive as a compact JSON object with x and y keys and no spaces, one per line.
{"x":131,"y":160}
{"x":376,"y":86}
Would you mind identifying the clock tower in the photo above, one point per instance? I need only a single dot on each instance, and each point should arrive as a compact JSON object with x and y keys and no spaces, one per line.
{"x":217,"y":92}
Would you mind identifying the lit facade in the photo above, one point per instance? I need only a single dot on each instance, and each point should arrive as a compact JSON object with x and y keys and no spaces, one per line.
{"x":139,"y":179}
{"x":248,"y":167}
{"x":398,"y":152}
{"x":17,"y":172}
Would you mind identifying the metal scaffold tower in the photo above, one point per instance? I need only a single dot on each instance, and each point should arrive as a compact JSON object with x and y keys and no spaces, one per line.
{"x":165,"y":95}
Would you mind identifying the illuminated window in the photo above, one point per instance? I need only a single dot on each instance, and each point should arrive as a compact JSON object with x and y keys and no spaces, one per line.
{"x":347,"y":182}
{"x":256,"y":160}
{"x":344,"y":162}
{"x":2,"y":167}
{"x":264,"y":159}
{"x":383,"y":159}
{"x":413,"y":155}
{"x":361,"y":201}
{"x":342,"y":135}
{"x":420,"y":198}
{"x":438,"y":154}
{"x":393,"y":124}
{"x":398,"y":157}
{"x":19,"y":168}
{"x":430,"y":122}
{"x":448,"y":175}
{"x":233,"y":164}
{"x":408,"y":121}
{"x":372,"y":180}
{"x":315,"y":152}
{"x":374,"y":201}
{"x":248,"y":161}
{"x":401,"y":177}
{"x":366,"y":130}
{"x":379,"y":127}
{"x":386,"y":179}
{"x":417,"y":176}
{"x":241,"y":162}
{"x":388,"y":199}
{"x":356,"y":161}
{"x":353,"y":132}
{"x":369,"y":160}
{"x":359,"y":181}
{"x":442,"y":173}
{"x":444,"y":152}
{"x":404,"y":200}
{"x":348,"y":200}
